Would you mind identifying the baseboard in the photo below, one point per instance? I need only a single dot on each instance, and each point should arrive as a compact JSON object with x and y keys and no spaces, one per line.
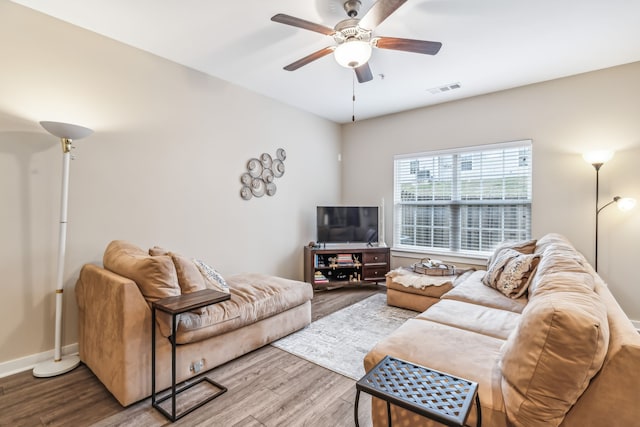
{"x":22,"y":364}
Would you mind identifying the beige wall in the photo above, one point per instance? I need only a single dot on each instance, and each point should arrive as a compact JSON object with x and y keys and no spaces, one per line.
{"x":164,"y":164}
{"x":564,"y":118}
{"x":163,"y":167}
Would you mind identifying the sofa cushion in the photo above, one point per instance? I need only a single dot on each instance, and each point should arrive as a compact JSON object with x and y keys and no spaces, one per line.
{"x":155,"y":275}
{"x":253,"y":297}
{"x":561,"y":267}
{"x":612,"y":395}
{"x":447,"y":349}
{"x":522,"y":246}
{"x":473,"y":291}
{"x":511,"y":271}
{"x":472,"y":317}
{"x":549,"y":359}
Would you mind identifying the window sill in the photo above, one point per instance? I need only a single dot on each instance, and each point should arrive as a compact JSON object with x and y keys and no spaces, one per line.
{"x":449,"y":257}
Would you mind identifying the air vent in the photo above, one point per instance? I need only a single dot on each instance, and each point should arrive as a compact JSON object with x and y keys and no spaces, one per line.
{"x":445,"y":88}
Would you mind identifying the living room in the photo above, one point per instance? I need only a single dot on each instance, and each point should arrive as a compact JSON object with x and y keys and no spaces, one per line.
{"x":170,"y":144}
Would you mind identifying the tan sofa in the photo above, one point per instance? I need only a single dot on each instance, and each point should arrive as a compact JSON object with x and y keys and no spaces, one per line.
{"x":115,"y":318}
{"x":565,"y":354}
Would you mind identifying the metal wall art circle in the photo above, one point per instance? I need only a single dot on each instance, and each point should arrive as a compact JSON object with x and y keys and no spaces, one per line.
{"x":261,"y":173}
{"x":278,"y":168}
{"x":245,"y":193}
{"x":254,"y":166}
{"x":266,"y":160}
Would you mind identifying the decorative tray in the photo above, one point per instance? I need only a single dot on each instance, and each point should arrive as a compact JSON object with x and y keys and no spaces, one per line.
{"x":432,"y":267}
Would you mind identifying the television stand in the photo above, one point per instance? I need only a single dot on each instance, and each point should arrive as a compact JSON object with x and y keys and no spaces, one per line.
{"x":339,"y":266}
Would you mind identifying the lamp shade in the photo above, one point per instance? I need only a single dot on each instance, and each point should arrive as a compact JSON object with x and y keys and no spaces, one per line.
{"x":626,"y":203}
{"x":353,"y":53}
{"x":597,"y":157}
{"x":66,"y":130}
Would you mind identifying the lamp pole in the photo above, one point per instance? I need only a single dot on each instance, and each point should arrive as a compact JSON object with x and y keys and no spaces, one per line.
{"x":597,"y":166}
{"x":597,"y":159}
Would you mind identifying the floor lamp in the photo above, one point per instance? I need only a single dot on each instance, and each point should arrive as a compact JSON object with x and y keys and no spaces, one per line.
{"x":597,"y":159}
{"x":67,"y":133}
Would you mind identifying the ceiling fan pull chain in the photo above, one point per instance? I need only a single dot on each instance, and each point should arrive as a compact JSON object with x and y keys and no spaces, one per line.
{"x":353,"y":105}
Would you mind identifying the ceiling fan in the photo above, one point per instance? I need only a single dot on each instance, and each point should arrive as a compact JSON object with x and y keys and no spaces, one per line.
{"x":354,"y":39}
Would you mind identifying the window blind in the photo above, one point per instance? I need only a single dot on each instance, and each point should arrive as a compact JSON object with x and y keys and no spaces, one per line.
{"x":463,"y":200}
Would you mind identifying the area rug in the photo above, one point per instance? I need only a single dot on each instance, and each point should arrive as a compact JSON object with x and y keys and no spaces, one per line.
{"x":340,"y":340}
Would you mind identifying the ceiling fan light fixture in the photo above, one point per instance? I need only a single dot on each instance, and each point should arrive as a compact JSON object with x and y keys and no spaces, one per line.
{"x":353,"y":53}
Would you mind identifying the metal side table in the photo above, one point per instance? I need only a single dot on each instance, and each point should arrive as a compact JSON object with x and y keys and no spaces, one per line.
{"x":175,"y":306}
{"x":432,"y":394}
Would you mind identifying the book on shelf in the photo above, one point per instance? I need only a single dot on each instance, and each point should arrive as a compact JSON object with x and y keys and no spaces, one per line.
{"x":318,"y":277}
{"x":319,"y":261}
{"x":344,"y":259}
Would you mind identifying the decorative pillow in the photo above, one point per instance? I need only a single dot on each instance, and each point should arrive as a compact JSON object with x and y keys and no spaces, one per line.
{"x":189,"y":277}
{"x":511,"y":272}
{"x":212,"y":278}
{"x":522,"y":246}
{"x":157,"y":251}
{"x":155,"y":275}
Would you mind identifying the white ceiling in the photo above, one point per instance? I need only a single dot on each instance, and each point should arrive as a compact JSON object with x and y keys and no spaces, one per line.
{"x":488,"y":45}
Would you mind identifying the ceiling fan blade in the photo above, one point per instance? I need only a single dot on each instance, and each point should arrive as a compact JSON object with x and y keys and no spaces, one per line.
{"x":309,"y":58}
{"x":379,"y":12}
{"x":408,"y":45}
{"x":363,"y":73}
{"x":301,"y":23}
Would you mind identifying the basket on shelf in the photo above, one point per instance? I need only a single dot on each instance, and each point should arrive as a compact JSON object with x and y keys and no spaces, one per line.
{"x":433,"y":268}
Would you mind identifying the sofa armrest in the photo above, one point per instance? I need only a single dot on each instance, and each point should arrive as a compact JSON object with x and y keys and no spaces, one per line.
{"x":114,"y":336}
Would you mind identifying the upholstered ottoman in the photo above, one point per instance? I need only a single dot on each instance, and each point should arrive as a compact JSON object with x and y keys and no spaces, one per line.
{"x":416,"y":291}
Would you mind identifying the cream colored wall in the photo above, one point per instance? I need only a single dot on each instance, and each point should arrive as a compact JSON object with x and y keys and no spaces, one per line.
{"x":163,"y":167}
{"x":564,"y":118}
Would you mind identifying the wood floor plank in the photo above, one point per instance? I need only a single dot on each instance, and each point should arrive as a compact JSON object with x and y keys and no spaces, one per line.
{"x":314,"y":403}
{"x":327,"y":302}
{"x":267,"y":387}
{"x":341,"y":413}
{"x":364,"y":405}
{"x":248,"y":422}
{"x":294,"y":411}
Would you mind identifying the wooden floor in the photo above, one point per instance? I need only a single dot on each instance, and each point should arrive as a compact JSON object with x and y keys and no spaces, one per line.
{"x":267,"y":387}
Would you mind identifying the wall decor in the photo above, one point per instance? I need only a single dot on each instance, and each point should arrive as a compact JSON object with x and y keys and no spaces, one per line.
{"x":261,"y":172}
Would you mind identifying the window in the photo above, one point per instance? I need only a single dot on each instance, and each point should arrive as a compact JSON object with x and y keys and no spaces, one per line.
{"x":464,"y":200}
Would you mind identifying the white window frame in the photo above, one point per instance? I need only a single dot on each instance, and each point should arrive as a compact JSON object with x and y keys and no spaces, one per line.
{"x":453,"y":205}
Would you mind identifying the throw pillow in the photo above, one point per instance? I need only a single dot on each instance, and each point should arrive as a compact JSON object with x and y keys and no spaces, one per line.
{"x":511,"y":272}
{"x":189,"y":277}
{"x":212,"y":278}
{"x":155,"y":275}
{"x":522,"y":246}
{"x":157,"y":251}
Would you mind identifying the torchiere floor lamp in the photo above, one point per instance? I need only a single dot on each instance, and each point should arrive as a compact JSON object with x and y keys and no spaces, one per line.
{"x":597,"y":159}
{"x":67,"y":133}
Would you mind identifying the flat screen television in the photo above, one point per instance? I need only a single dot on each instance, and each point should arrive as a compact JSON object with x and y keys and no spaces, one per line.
{"x":347,"y":224}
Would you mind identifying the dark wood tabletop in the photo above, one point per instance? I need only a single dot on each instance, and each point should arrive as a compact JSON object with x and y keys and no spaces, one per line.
{"x":187,"y":302}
